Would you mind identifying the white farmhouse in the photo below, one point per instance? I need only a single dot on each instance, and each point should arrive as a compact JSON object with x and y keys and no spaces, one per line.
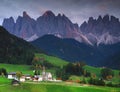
{"x":12,"y":75}
{"x":27,"y":76}
{"x":22,"y":79}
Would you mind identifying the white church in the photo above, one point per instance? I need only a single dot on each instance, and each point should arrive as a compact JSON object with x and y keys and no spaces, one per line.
{"x":45,"y":76}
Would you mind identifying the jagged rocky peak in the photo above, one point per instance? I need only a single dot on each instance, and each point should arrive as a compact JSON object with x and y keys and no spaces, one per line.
{"x":9,"y":20}
{"x":65,"y":17}
{"x":99,"y":18}
{"x":9,"y":23}
{"x":25,"y":14}
{"x":114,"y":19}
{"x":84,"y":24}
{"x":99,"y":27}
{"x":91,"y":20}
{"x":26,"y":27}
{"x":59,"y":15}
{"x":48,"y":13}
{"x":106,"y":18}
{"x":62,"y":16}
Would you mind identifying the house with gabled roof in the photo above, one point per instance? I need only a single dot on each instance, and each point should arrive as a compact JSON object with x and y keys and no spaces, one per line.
{"x":12,"y":75}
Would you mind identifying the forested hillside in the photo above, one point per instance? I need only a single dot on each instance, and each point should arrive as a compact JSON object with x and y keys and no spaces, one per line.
{"x":15,"y":50}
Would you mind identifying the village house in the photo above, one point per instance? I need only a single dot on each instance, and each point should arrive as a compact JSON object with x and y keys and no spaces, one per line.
{"x":22,"y":78}
{"x":27,"y":76}
{"x":12,"y":75}
{"x":45,"y":76}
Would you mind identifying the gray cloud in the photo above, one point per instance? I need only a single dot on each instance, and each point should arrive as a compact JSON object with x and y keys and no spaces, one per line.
{"x":76,"y":10}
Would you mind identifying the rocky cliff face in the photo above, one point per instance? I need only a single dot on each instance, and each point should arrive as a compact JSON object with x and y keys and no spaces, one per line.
{"x":104,"y":30}
{"x":58,"y":25}
{"x":26,"y":27}
{"x":9,"y":24}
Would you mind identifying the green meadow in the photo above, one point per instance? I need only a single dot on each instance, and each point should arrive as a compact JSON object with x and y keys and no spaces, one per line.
{"x":4,"y":80}
{"x":96,"y":70}
{"x":5,"y":84}
{"x":53,"y":60}
{"x":25,"y":69}
{"x":55,"y":87}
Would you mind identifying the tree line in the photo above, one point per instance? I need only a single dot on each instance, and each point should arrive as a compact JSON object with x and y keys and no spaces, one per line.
{"x":106,"y":74}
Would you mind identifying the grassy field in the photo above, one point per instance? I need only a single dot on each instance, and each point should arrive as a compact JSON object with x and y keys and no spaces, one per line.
{"x":4,"y":80}
{"x":55,"y":87}
{"x":51,"y":87}
{"x":25,"y":69}
{"x":93,"y":69}
{"x":96,"y":71}
{"x":5,"y":86}
{"x":53,"y":60}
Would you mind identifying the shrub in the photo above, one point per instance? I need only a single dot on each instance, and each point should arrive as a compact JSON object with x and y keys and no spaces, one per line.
{"x":3,"y":72}
{"x":107,"y":73}
{"x":99,"y":82}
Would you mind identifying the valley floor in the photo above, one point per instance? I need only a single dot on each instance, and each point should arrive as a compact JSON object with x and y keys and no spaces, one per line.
{"x":5,"y":84}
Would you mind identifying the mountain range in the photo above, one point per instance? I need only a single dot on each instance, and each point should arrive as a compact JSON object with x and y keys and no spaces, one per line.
{"x":96,"y":41}
{"x":104,"y":30}
{"x":72,"y":50}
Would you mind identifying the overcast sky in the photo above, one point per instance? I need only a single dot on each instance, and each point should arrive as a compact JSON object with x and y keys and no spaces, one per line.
{"x":76,"y":10}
